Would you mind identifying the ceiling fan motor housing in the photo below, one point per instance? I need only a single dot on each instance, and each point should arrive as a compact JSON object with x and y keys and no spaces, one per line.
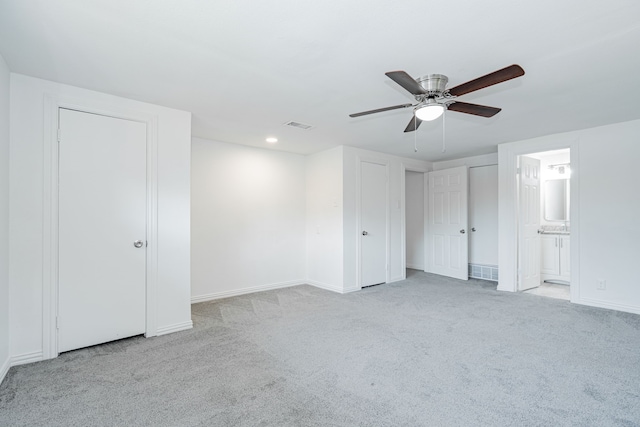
{"x":433,"y":84}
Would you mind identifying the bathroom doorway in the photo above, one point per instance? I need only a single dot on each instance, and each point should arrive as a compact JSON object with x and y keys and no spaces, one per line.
{"x":544,"y":227}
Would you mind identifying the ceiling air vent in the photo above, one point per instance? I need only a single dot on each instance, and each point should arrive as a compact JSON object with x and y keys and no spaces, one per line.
{"x":298,"y":125}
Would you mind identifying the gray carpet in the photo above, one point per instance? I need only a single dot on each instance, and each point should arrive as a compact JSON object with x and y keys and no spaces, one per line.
{"x":428,"y":351}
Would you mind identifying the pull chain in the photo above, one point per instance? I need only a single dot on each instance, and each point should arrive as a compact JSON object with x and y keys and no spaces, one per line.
{"x":415,"y":136}
{"x":444,"y":147}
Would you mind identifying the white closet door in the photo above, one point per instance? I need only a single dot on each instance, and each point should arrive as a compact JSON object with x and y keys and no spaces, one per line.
{"x":102,"y":213}
{"x":483,"y":215}
{"x":448,"y":237}
{"x":373,"y":219}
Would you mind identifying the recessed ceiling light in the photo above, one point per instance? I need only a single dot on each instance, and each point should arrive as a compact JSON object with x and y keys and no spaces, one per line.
{"x":271,"y":140}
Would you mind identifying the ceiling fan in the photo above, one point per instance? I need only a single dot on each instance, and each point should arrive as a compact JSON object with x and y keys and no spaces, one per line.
{"x":433,"y":97}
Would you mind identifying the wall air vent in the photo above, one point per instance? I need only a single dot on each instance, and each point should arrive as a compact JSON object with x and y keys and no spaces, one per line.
{"x":485,"y":272}
{"x":298,"y":125}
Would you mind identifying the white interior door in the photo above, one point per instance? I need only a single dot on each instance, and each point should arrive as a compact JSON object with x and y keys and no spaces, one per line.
{"x":529,"y":223}
{"x":483,"y":216}
{"x":102,"y":212}
{"x":448,"y":237}
{"x":373,"y":221}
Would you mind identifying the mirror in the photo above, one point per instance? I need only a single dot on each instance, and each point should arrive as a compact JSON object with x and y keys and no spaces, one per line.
{"x":556,"y":200}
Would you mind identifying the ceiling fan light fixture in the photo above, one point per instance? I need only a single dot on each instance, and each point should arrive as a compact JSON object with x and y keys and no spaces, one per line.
{"x":429,"y":112}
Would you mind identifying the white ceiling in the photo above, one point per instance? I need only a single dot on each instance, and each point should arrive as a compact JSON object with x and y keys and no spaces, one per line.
{"x":243,"y":68}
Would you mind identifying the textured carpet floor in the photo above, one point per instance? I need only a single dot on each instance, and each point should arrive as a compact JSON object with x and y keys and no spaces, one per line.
{"x":428,"y":351}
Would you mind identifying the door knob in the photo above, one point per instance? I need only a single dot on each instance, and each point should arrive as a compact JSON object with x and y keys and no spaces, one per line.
{"x":138,"y":243}
{"x":462,"y":231}
{"x":473,"y":229}
{"x":364,"y":233}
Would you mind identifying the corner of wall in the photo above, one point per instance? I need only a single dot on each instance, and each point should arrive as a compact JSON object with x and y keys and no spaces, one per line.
{"x":5,"y":90}
{"x":324,"y":219}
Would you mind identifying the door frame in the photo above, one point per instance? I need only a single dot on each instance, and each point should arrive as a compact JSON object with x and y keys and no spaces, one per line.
{"x":404,"y":168}
{"x":385,"y":163}
{"x":52,"y":105}
{"x":508,"y":207}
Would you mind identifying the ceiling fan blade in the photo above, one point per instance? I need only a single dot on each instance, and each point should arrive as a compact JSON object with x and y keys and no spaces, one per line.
{"x":508,"y":73}
{"x":475,"y":109}
{"x":413,"y":124}
{"x":406,"y":81}
{"x":379,"y":110}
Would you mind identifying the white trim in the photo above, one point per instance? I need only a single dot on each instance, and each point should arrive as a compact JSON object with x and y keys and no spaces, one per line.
{"x":426,"y":260}
{"x":413,"y":267}
{"x":151,"y":328}
{"x":331,"y":288}
{"x":574,"y":221}
{"x":50,"y":228}
{"x":52,"y":105}
{"x":507,"y":206}
{"x":164,"y":330}
{"x":607,"y":305}
{"x":385,"y":163}
{"x":4,"y":369}
{"x":23,"y":359}
{"x":404,"y":168}
{"x":244,"y":291}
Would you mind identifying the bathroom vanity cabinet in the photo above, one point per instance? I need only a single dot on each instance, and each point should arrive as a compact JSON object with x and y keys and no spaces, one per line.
{"x":555,"y":260}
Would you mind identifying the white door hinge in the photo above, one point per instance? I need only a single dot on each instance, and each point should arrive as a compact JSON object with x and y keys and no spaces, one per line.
{"x":57,"y":322}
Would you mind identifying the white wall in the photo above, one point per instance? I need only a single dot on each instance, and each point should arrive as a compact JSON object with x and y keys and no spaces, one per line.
{"x":414,"y":213}
{"x":608,"y":215}
{"x":27,"y":192}
{"x":248,"y":219}
{"x":263,"y":219}
{"x":604,"y":224}
{"x":4,"y":218}
{"x":397,"y":166}
{"x":324,"y":202}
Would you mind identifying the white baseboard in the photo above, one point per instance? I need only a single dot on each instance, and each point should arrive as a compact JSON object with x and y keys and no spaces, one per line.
{"x":23,"y":359}
{"x":163,"y":330}
{"x":244,"y":291}
{"x":4,"y":369}
{"x":325,"y":286}
{"x":332,"y":288}
{"x":611,"y":306}
{"x":250,"y":290}
{"x":415,"y":267}
{"x":506,"y":288}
